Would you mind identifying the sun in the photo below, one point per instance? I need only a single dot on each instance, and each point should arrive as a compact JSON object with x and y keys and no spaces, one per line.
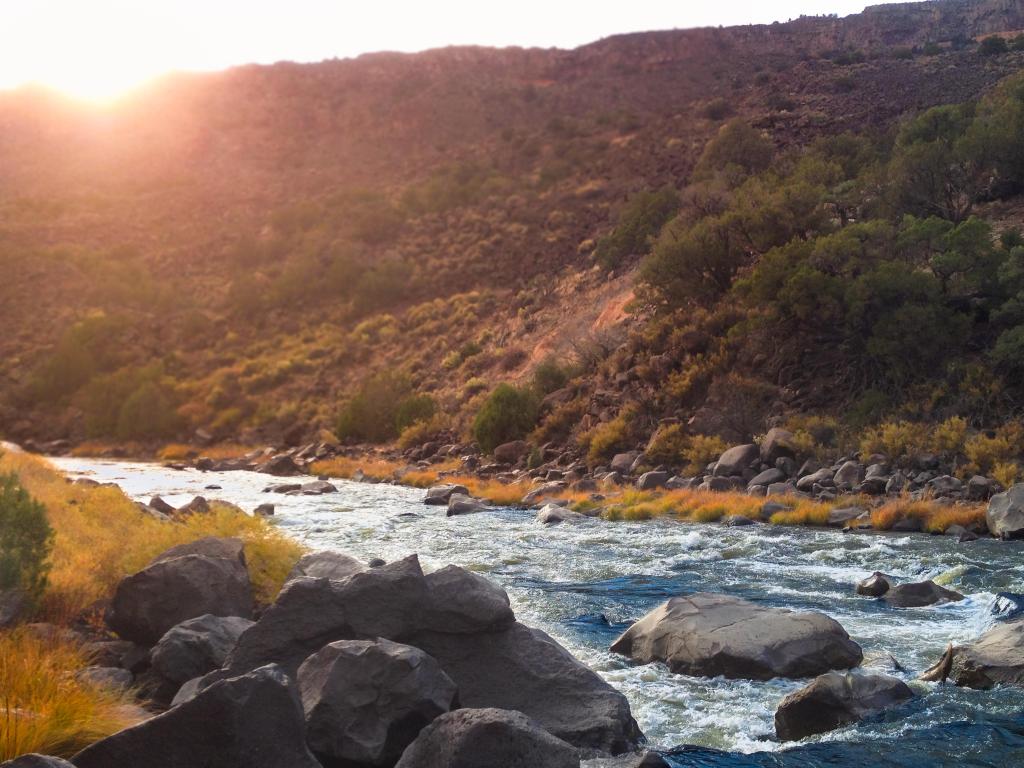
{"x":96,"y":84}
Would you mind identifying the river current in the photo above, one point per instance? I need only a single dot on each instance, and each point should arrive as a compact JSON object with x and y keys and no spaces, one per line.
{"x":584,"y":583}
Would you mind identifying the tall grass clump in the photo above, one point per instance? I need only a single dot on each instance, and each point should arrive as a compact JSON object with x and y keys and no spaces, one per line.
{"x":45,"y":707}
{"x":100,"y":536}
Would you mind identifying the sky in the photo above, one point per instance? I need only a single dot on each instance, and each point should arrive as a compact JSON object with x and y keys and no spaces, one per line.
{"x":99,"y":49}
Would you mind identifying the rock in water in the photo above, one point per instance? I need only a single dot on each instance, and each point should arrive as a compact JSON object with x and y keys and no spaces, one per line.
{"x":366,"y":700}
{"x":487,"y":738}
{"x":1005,"y":514}
{"x":836,"y":699}
{"x":460,"y":504}
{"x":919,"y":594}
{"x":526,"y":670}
{"x":709,"y":634}
{"x":440,"y":494}
{"x":997,"y":657}
{"x":875,"y":585}
{"x":150,"y":602}
{"x":196,"y":646}
{"x":252,"y":721}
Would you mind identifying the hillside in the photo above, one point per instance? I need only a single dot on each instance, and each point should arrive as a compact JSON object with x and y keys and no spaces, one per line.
{"x":240,"y":252}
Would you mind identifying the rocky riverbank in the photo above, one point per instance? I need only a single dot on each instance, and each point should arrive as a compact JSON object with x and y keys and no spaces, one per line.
{"x":920,"y":493}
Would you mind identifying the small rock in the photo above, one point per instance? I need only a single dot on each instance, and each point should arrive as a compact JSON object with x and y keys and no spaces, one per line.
{"x":460,"y":504}
{"x":875,"y":585}
{"x":919,"y":594}
{"x":439,"y":495}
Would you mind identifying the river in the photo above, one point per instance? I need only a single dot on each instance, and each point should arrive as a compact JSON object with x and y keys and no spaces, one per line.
{"x":585,"y":583}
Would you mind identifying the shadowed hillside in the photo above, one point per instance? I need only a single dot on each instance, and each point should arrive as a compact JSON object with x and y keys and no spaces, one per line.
{"x":240,"y":252}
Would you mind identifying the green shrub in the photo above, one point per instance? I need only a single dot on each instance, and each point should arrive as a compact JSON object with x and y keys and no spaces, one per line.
{"x":641,"y":219}
{"x":508,"y":413}
{"x":737,"y":146}
{"x":993,"y":46}
{"x":383,"y":406}
{"x":26,"y":539}
{"x":550,"y":375}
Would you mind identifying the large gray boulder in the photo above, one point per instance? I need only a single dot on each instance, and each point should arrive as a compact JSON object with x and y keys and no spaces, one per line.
{"x":196,"y":646}
{"x":510,"y":453}
{"x":252,"y":721}
{"x":777,"y":443}
{"x":439,"y":495}
{"x":650,"y":481}
{"x":552,"y":514}
{"x":996,"y":658}
{"x":226,"y":548}
{"x":1005,"y":514}
{"x":526,"y":670}
{"x":366,"y":700}
{"x":622,"y":462}
{"x":171,"y":590}
{"x":383,"y":602}
{"x":919,"y":594}
{"x":325,"y":564}
{"x":836,"y":699}
{"x":462,"y":602}
{"x":709,"y":634}
{"x":736,"y":460}
{"x":36,"y":761}
{"x":487,"y":738}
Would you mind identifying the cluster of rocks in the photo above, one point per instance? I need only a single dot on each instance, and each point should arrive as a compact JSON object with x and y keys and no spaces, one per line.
{"x":353,"y":664}
{"x":710,"y":635}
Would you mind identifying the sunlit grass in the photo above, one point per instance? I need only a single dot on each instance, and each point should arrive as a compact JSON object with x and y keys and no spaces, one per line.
{"x":182,"y":451}
{"x":44,"y":707}
{"x":102,"y":536}
{"x":493,"y":491}
{"x":347,"y":468}
{"x":934,"y":517}
{"x":424,"y":478}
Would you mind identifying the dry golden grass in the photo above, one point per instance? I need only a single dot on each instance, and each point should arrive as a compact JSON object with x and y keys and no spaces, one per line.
{"x":934,"y":517}
{"x":424,"y":478}
{"x":101,"y":536}
{"x":346,"y":468}
{"x":44,"y":707}
{"x":181,"y":451}
{"x":494,"y":491}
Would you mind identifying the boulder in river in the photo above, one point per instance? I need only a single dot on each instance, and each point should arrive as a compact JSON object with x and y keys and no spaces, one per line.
{"x":366,"y":700}
{"x":996,"y":658}
{"x":461,"y":504}
{"x":463,"y":602}
{"x":251,"y":721}
{"x":440,"y":494}
{"x":919,"y":594}
{"x":1005,"y":514}
{"x":552,"y":514}
{"x":836,"y":699}
{"x":875,"y":585}
{"x":708,"y":634}
{"x":487,"y":738}
{"x":148,"y":603}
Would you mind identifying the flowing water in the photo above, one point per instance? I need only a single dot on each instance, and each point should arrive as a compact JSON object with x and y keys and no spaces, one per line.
{"x":584,"y":583}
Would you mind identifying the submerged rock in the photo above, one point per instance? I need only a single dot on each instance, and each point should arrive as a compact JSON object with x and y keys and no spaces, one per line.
{"x":440,"y":494}
{"x":997,"y":657}
{"x":919,"y":594}
{"x":875,"y":585}
{"x":836,"y":699}
{"x":460,"y":504}
{"x":709,"y":634}
{"x":487,"y":738}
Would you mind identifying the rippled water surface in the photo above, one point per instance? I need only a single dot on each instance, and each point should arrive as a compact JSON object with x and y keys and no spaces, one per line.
{"x":584,"y":583}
